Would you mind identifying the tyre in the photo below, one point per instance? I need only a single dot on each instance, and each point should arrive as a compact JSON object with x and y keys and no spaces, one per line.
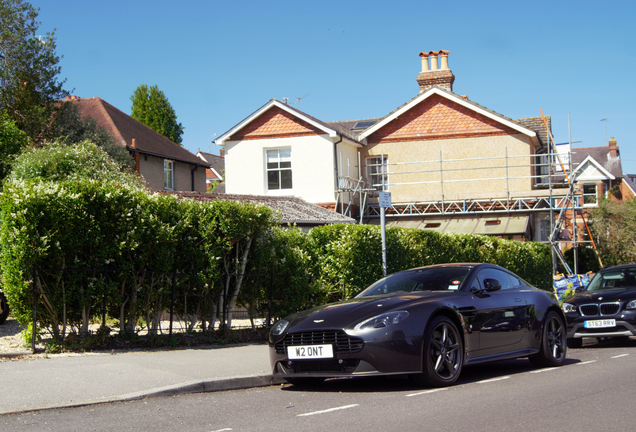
{"x":443,"y":354}
{"x":553,"y":342}
{"x":305,"y":382}
{"x":4,"y":308}
{"x":575,"y":343}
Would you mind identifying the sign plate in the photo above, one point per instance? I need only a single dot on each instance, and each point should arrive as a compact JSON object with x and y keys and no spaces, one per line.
{"x":385,"y":199}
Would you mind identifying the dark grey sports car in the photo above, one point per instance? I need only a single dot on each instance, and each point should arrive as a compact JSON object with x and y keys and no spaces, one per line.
{"x":426,"y":322}
{"x":606,"y":309}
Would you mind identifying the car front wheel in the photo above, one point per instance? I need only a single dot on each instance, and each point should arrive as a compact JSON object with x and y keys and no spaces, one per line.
{"x":553,"y":343}
{"x":443,"y":353}
{"x":4,"y":308}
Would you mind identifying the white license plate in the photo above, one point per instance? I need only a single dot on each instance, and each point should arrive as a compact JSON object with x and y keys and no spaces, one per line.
{"x":600,"y":323}
{"x":310,"y":351}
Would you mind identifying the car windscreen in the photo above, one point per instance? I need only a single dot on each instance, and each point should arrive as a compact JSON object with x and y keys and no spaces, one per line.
{"x":425,"y":279}
{"x":614,"y":278}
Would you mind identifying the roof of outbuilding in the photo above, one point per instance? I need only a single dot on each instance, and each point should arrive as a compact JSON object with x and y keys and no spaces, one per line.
{"x":217,"y":163}
{"x":291,"y":210}
{"x":124,"y":129}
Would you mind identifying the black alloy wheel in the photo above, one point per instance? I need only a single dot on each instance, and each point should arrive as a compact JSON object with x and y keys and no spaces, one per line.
{"x":4,"y":308}
{"x":443,"y":354}
{"x":553,"y":343}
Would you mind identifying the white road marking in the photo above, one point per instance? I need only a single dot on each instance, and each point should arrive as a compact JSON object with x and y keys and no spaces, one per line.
{"x":222,"y":430}
{"x":327,"y":410}
{"x":621,"y":355}
{"x":492,"y":380}
{"x":544,"y":370}
{"x":586,"y":362}
{"x":425,"y":392}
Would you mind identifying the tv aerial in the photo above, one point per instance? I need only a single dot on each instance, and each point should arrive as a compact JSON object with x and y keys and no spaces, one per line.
{"x":298,"y":99}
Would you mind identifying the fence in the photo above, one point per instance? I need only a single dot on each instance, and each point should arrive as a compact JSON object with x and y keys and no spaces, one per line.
{"x":49,"y":292}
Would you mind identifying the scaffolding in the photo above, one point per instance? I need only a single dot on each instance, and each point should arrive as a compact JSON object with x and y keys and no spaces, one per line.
{"x":552,"y":192}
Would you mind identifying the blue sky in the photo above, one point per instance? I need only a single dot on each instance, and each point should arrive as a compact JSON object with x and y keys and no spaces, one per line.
{"x":218,"y":61}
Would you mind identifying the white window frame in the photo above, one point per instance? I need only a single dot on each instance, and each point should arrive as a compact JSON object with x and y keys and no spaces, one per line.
{"x":168,"y":174}
{"x":589,"y":194}
{"x":377,"y":170}
{"x":279,"y":159}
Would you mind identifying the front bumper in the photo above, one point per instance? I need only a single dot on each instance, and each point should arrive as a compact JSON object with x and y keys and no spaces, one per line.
{"x":385,"y":354}
{"x":625,"y":326}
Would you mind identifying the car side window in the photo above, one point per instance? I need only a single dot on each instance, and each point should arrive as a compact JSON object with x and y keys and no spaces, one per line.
{"x":490,"y":273}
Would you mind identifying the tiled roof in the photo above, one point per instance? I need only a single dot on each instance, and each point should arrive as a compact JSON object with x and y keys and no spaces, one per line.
{"x":536,"y":124}
{"x":216,"y":162}
{"x":124,"y":129}
{"x":600,"y":155}
{"x":292,"y":210}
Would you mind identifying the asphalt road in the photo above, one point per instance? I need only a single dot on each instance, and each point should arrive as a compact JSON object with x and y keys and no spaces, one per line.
{"x":595,"y":390}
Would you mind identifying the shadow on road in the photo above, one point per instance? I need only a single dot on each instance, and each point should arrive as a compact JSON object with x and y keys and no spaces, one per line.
{"x":399,"y":383}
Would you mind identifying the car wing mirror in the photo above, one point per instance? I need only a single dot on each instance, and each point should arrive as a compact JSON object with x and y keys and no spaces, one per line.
{"x":492,"y":285}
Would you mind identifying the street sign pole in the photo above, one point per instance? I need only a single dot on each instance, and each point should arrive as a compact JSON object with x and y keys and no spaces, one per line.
{"x":385,"y":201}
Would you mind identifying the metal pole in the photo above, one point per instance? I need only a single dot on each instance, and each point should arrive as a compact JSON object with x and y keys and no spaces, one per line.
{"x":575,"y":200}
{"x":35,"y":309}
{"x":271,"y":293}
{"x":174,"y":274}
{"x":104,"y":296}
{"x":441,"y":180}
{"x":383,"y":225}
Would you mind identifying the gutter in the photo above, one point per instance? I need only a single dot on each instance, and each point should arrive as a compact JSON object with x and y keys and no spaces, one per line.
{"x":192,"y":175}
{"x":335,"y":158}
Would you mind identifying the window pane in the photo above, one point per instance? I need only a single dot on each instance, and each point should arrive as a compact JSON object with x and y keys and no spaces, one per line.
{"x":272,"y":180}
{"x":285,"y":154}
{"x":286,"y":179}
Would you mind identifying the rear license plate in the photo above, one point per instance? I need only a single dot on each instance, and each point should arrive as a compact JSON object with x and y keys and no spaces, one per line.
{"x":600,"y":323}
{"x":310,"y":351}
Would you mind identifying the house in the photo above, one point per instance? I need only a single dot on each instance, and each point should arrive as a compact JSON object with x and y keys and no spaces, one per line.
{"x":597,"y":173}
{"x":164,"y":164}
{"x":214,"y":174}
{"x":450,"y":164}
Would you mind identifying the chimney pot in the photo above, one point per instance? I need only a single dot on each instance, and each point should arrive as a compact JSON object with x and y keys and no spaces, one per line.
{"x":134,"y":143}
{"x":424,"y":57}
{"x":434,"y":55}
{"x":444,"y":56}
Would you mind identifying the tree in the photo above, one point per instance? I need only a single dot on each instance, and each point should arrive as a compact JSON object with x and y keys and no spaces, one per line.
{"x":12,"y":140}
{"x":59,"y":162}
{"x":151,"y":107}
{"x":613,"y":225}
{"x":29,"y":85}
{"x":70,"y":128}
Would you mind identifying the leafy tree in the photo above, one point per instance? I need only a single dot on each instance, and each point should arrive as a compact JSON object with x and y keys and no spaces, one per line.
{"x":59,"y":162}
{"x":29,"y":85}
{"x":70,"y":128}
{"x":151,"y":107}
{"x":12,"y":140}
{"x":613,"y":225}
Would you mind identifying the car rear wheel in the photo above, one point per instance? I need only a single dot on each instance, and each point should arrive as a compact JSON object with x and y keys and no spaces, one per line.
{"x":575,"y":343}
{"x":305,"y":382}
{"x":4,"y":308}
{"x":443,"y":353}
{"x":553,"y":343}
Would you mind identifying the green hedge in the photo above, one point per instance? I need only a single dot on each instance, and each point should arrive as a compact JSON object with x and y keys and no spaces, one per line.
{"x":143,"y":239}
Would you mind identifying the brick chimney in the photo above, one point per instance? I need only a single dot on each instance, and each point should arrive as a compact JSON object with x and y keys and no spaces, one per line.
{"x":613,"y":148}
{"x":435,"y":75}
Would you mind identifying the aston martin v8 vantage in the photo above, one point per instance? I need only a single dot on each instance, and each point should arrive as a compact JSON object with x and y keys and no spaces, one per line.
{"x":426,"y":322}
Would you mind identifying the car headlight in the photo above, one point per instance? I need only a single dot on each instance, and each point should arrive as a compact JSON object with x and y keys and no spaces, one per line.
{"x":568,"y":308}
{"x":384,"y":320}
{"x":279,"y":328}
{"x":631,"y":305}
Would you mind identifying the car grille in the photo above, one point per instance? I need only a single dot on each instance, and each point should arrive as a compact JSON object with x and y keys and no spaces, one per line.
{"x":342,"y":342}
{"x":599,"y":309}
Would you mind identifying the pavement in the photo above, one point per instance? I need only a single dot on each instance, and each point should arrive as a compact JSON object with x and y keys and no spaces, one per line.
{"x":44,"y":382}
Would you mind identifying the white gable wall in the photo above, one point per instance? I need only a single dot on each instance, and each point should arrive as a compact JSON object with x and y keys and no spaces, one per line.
{"x":313,"y":172}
